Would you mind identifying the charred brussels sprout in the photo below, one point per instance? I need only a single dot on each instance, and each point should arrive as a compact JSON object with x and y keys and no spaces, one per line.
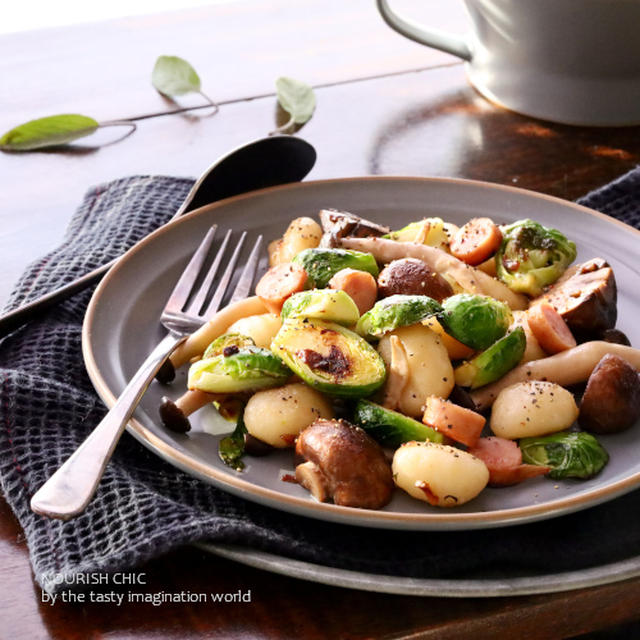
{"x":569,"y":454}
{"x":322,"y":264}
{"x":396,"y":311}
{"x":238,"y":369}
{"x":532,"y":256}
{"x":496,"y":361}
{"x":226,"y":340}
{"x":477,"y":321}
{"x":391,"y":428}
{"x":332,"y":305}
{"x":329,"y":357}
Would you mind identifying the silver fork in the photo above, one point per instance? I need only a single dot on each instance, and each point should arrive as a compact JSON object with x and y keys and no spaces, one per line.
{"x":68,"y":491}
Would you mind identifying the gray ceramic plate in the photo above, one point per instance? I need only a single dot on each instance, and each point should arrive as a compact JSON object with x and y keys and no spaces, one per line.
{"x":509,"y":584}
{"x":121,"y":328}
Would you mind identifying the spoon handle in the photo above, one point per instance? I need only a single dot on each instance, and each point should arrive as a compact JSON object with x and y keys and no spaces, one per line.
{"x":30,"y":311}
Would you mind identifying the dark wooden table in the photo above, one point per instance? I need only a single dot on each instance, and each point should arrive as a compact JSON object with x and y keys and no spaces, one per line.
{"x":385,"y":106}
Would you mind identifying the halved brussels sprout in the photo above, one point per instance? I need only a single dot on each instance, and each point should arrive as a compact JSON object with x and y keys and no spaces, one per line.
{"x":242,"y":369}
{"x":218,"y":346}
{"x":429,"y":231}
{"x":532,"y":256}
{"x":322,"y":264}
{"x":477,"y":321}
{"x":391,"y":428}
{"x":570,"y":454}
{"x":329,"y":357}
{"x":396,"y":311}
{"x":332,"y":305}
{"x":496,"y":361}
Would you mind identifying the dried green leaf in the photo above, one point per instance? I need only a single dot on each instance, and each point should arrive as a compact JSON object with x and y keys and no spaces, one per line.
{"x":51,"y":131}
{"x":174,"y":76}
{"x":296,"y":98}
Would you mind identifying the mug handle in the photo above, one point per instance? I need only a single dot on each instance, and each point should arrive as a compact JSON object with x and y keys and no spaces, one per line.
{"x":431,"y":37}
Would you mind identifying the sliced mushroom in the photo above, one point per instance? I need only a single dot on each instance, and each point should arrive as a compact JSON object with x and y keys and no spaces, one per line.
{"x":585,"y":296}
{"x":343,"y":463}
{"x":397,"y":374}
{"x":308,"y":474}
{"x":342,"y":224}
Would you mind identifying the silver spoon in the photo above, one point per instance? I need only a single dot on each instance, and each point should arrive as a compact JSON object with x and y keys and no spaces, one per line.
{"x":262,"y":163}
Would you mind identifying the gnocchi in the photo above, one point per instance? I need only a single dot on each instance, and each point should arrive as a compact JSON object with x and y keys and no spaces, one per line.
{"x":532,"y":408}
{"x":260,"y":328}
{"x":277,"y":416}
{"x":438,"y":474}
{"x":302,"y":233}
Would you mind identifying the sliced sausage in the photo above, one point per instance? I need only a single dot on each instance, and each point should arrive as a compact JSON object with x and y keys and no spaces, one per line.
{"x":476,"y":241}
{"x":359,"y":285}
{"x":611,"y":401}
{"x":504,"y":460}
{"x":279,"y":283}
{"x":489,"y":267}
{"x":550,"y":330}
{"x":411,"y":276}
{"x":455,"y":348}
{"x":454,"y":421}
{"x":533,"y":350}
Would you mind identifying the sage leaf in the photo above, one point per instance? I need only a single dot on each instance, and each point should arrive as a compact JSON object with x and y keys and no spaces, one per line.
{"x":50,"y":131}
{"x":174,"y":76}
{"x":296,"y":98}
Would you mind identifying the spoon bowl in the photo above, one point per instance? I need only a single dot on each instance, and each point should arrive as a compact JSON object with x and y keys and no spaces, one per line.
{"x":262,"y":163}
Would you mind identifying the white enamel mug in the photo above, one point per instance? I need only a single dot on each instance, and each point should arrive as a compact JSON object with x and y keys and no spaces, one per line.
{"x":570,"y":61}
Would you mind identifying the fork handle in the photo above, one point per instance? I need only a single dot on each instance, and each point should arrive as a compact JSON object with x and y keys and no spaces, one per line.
{"x":68,"y":491}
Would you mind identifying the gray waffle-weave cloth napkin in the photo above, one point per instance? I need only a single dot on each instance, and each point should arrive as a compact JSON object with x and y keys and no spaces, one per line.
{"x":144,"y":507}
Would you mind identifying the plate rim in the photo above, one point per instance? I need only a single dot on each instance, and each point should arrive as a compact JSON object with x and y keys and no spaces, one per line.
{"x":546,"y":583}
{"x":446,"y":520}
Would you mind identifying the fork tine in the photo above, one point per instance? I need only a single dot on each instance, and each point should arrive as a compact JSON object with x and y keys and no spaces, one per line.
{"x":181,"y":291}
{"x":214,"y":305}
{"x":197,"y":303}
{"x":248,"y":273}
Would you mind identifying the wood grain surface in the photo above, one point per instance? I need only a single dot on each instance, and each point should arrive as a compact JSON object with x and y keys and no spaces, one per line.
{"x":287,"y":609}
{"x":385,"y":106}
